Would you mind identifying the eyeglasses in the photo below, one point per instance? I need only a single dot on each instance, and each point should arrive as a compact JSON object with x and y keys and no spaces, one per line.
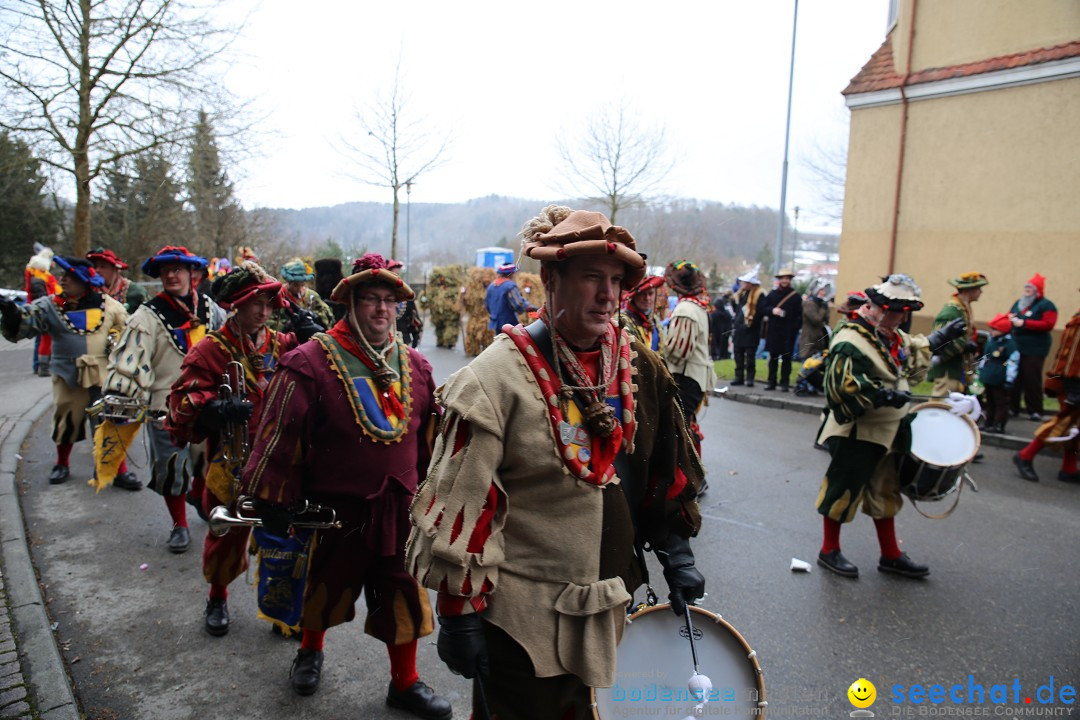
{"x":375,"y":300}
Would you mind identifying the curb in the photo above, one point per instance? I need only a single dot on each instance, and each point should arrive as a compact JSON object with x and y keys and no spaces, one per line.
{"x":41,"y":661}
{"x":1008,"y":442}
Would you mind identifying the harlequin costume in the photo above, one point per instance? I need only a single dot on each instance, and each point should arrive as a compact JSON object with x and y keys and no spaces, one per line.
{"x":144,"y":365}
{"x":956,"y":366}
{"x":649,"y":331}
{"x":526,"y":523}
{"x":129,"y":294}
{"x":1063,"y":429}
{"x":80,"y":328}
{"x":196,"y":415}
{"x":687,"y":349}
{"x":866,"y":384}
{"x":348,"y":425}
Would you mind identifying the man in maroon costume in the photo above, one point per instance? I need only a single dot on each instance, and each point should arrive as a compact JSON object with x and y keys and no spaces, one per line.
{"x":348,"y":423}
{"x":197,"y":412}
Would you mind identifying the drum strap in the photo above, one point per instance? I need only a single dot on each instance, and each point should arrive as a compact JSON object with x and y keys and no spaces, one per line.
{"x":965,"y":478}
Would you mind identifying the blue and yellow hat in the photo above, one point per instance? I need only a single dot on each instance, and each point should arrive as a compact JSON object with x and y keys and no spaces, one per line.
{"x":171,"y":255}
{"x":82,"y":269}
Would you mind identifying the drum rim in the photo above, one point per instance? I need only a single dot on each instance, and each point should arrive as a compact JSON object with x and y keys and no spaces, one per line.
{"x":937,"y":404}
{"x":717,"y":619}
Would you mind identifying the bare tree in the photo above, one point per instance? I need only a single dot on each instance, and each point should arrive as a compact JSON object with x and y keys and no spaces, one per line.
{"x":96,"y":81}
{"x":394,"y":148}
{"x":619,"y":161}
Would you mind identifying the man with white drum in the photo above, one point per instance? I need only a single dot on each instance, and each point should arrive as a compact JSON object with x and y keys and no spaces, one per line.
{"x":563,"y":448}
{"x":868,"y":425}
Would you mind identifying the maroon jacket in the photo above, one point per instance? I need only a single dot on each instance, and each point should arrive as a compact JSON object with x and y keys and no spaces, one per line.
{"x":310,"y":443}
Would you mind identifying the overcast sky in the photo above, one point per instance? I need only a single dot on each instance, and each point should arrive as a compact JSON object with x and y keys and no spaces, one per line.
{"x":507,"y":77}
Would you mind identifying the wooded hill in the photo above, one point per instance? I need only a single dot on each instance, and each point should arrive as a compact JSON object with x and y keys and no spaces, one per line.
{"x":712,"y":234}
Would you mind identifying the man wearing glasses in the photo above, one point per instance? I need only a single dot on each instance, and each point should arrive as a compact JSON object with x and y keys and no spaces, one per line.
{"x":346,"y":425}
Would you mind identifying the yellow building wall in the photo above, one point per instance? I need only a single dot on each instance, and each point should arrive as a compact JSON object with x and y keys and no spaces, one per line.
{"x":991,"y":183}
{"x":870,"y":186}
{"x":954,"y":32}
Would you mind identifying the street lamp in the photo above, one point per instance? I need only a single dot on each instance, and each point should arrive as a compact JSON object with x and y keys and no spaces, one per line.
{"x":787,"y":133}
{"x":408,"y":229}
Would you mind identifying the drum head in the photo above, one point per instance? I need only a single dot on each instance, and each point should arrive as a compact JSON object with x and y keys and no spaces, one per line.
{"x":941,"y":438}
{"x":654,"y":666}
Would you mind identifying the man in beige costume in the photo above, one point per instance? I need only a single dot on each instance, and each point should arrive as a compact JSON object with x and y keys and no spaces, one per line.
{"x":543,"y":483}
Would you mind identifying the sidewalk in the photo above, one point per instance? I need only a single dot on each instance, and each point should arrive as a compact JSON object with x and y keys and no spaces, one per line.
{"x":1019,"y":430}
{"x":33,"y":680}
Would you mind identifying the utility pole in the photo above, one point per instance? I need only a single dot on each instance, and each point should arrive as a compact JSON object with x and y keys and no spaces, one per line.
{"x":787,"y":133}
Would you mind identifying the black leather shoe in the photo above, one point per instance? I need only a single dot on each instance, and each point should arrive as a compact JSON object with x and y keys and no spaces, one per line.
{"x":785,"y":388}
{"x":306,"y":671}
{"x":179,"y":540}
{"x":991,"y":430}
{"x":1068,"y":477}
{"x":837,"y":563}
{"x":421,"y":701}
{"x":1026,"y":469}
{"x":127,"y":481}
{"x":736,"y":382}
{"x":903,"y":565}
{"x":217,"y":617}
{"x":59,"y":474}
{"x":749,"y":383}
{"x":978,"y":457}
{"x":770,"y":386}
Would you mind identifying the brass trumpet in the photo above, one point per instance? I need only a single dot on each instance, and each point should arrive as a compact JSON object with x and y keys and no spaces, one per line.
{"x":118,"y":409}
{"x":235,"y":446}
{"x":222,"y":520}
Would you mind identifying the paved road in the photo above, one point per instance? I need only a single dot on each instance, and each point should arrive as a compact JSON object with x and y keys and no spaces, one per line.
{"x":1001,"y":603}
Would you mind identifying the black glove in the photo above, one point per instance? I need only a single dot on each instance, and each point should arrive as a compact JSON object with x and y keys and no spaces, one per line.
{"x":685,"y":583}
{"x":946,"y":334}
{"x":462,"y":646}
{"x":276,"y":520}
{"x":304,"y":323}
{"x":891,"y":398}
{"x":220,"y":411}
{"x":9,"y":310}
{"x":971,"y":348}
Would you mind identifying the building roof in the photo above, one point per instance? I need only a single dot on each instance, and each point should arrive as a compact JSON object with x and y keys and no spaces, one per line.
{"x":879,"y":72}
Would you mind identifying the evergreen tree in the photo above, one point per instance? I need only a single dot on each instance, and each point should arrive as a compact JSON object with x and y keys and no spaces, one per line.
{"x":218,"y":220}
{"x":26,"y":215}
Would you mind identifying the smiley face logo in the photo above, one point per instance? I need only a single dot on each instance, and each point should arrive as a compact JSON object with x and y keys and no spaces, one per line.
{"x":862,"y":693}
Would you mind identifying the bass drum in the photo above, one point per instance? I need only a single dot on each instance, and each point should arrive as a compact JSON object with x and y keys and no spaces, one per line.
{"x":654,"y":664}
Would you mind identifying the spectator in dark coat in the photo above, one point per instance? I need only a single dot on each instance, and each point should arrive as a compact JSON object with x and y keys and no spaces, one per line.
{"x":720,"y":327}
{"x":815,"y":318}
{"x":782,"y":309}
{"x":746,"y":306}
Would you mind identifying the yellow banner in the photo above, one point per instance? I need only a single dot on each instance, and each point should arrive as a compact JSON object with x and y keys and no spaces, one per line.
{"x":111,"y":442}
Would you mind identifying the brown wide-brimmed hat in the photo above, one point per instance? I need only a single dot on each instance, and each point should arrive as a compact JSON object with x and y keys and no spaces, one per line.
{"x":371,"y":268}
{"x":559,"y":233}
